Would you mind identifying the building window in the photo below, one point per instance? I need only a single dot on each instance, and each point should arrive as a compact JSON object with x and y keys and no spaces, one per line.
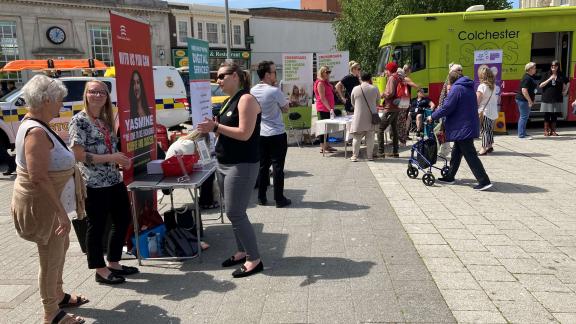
{"x":237,"y":35}
{"x":212,"y":33}
{"x":200,"y":31}
{"x":101,"y":43}
{"x":8,"y":48}
{"x":182,"y":31}
{"x":223,"y":29}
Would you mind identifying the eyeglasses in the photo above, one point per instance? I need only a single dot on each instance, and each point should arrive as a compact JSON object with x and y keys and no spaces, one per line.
{"x":102,"y":93}
{"x":556,"y":65}
{"x":223,"y":75}
{"x":328,"y":72}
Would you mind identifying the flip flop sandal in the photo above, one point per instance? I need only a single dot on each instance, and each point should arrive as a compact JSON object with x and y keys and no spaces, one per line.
{"x":64,"y":318}
{"x":65,"y":303}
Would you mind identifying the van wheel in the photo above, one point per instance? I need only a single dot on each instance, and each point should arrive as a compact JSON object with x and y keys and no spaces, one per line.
{"x":7,"y":162}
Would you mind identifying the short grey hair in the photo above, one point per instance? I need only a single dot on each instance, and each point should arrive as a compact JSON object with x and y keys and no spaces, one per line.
{"x":41,"y":88}
{"x":454,"y":67}
{"x":529,"y":65}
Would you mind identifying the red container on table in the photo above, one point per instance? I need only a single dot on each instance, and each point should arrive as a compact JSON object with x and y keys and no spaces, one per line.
{"x":171,"y":167}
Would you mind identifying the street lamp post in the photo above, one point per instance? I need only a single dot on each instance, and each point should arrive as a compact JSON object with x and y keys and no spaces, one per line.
{"x":228,"y":51}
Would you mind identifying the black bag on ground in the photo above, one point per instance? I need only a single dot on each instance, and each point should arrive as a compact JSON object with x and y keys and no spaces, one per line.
{"x":178,"y":242}
{"x":182,"y":218}
{"x":428,"y":150}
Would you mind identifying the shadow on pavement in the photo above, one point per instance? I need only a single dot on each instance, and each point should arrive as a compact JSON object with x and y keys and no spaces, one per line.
{"x":314,"y":269}
{"x":131,"y":311}
{"x":504,"y":187}
{"x":296,"y":174}
{"x":176,"y":287}
{"x":511,"y":153}
{"x":297,"y":202}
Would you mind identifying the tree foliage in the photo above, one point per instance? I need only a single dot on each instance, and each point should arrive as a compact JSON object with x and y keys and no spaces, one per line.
{"x":361,"y":23}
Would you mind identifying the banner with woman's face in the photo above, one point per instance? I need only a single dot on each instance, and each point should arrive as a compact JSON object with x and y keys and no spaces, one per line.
{"x":135,"y":91}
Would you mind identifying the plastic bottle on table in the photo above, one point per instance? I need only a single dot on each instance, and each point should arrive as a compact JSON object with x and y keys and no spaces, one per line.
{"x":332,"y":114}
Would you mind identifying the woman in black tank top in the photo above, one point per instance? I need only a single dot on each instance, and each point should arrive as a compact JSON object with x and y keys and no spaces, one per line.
{"x":237,"y":151}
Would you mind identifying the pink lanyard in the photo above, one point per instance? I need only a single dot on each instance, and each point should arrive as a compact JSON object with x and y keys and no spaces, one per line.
{"x":107,"y":138}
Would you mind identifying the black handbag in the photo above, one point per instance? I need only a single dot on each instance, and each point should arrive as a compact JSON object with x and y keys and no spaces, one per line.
{"x":80,"y":227}
{"x":182,"y":218}
{"x":375,"y":117}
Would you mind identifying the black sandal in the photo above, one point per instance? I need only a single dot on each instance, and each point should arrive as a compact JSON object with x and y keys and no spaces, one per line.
{"x":62,"y":316}
{"x":65,"y":303}
{"x":210,"y":206}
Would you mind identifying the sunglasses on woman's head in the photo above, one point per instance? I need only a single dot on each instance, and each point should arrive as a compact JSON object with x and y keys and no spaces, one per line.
{"x":223,"y":75}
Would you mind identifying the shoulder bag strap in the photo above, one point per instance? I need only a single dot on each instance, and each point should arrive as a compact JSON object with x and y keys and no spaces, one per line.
{"x":363,"y":95}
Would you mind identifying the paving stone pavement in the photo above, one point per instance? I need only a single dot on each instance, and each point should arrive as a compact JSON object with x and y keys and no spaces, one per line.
{"x":504,"y":255}
{"x":339,"y":254}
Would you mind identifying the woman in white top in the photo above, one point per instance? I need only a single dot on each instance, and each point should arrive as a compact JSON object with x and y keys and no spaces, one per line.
{"x":44,"y":194}
{"x":487,"y":108}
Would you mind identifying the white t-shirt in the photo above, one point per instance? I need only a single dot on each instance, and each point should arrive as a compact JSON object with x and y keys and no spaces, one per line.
{"x":271,"y":101}
{"x":490,"y":108}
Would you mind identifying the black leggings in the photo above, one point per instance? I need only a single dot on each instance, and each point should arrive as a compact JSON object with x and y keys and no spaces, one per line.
{"x":550,"y":117}
{"x":323,"y":115}
{"x":101,"y":202}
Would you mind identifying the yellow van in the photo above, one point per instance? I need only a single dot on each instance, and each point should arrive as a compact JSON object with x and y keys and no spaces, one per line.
{"x":429,"y":42}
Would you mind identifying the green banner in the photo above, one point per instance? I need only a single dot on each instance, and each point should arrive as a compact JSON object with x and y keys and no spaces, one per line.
{"x":180,"y":56}
{"x":198,"y":59}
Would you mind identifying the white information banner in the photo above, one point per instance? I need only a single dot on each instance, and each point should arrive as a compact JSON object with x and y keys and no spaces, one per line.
{"x":297,"y":68}
{"x":297,"y":81}
{"x":200,"y":101}
{"x":336,"y":61}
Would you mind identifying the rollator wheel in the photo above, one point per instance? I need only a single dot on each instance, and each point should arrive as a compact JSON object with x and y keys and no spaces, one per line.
{"x":445,"y":171}
{"x":412,"y":172}
{"x":428,"y":179}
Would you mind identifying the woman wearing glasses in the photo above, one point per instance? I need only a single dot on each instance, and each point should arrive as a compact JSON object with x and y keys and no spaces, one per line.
{"x":554,"y":88}
{"x":94,"y":143}
{"x":324,"y":93}
{"x":238,"y":154}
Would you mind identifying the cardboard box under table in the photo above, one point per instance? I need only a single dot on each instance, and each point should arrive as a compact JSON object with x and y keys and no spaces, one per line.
{"x":158,"y":182}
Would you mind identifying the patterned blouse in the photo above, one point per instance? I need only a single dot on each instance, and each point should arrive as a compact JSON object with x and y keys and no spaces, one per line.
{"x":87,"y":134}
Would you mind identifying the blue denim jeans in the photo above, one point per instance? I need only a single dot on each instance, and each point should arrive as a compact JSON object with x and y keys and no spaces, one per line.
{"x":524,"y":110}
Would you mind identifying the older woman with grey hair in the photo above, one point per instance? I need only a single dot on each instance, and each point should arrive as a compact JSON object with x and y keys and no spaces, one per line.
{"x":47,"y":190}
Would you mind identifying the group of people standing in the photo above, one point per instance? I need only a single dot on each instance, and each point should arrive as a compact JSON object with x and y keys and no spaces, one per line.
{"x":51,"y":187}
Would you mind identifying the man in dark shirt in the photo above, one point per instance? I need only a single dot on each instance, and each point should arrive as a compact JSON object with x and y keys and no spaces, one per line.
{"x":525,"y":99}
{"x":344,"y":87}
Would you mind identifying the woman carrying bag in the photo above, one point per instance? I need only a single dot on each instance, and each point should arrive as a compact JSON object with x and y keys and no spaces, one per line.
{"x":364,"y":98}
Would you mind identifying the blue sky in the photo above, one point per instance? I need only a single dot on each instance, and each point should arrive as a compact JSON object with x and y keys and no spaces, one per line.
{"x":294,"y":4}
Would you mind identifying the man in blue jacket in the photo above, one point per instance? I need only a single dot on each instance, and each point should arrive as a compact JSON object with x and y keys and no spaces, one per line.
{"x":462,"y":125}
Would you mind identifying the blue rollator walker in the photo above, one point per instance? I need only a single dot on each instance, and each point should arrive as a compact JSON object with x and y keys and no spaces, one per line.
{"x":424,"y":154}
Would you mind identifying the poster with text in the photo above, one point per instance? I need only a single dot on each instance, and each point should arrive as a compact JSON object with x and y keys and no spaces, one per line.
{"x":493,"y":60}
{"x":297,"y":81}
{"x":336,"y":61}
{"x":200,"y":91}
{"x":135,"y":90}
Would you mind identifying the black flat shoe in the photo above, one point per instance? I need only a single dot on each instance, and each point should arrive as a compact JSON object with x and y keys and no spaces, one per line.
{"x":242,"y":272}
{"x":125,"y":271}
{"x":262,"y":202}
{"x":283,"y":203}
{"x":231,"y":262}
{"x":111,"y":280}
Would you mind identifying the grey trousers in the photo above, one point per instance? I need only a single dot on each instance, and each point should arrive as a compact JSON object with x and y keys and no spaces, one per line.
{"x":236,"y":182}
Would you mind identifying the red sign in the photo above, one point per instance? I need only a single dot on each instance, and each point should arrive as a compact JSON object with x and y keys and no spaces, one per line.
{"x":132,"y":51}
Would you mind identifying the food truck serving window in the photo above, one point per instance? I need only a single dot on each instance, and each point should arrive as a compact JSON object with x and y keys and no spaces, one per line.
{"x":414,"y":54}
